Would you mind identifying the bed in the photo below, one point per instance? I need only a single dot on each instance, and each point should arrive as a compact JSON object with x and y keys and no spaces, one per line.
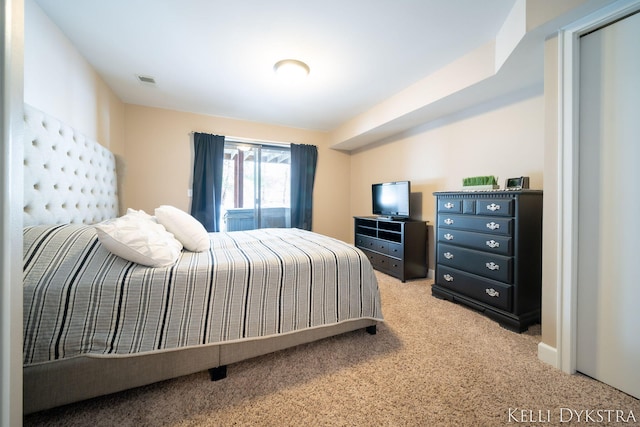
{"x":96,"y":323}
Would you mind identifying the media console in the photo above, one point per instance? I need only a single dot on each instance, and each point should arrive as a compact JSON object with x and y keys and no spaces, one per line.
{"x":397,"y":247}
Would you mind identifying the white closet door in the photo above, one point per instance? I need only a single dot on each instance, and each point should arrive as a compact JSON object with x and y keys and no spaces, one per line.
{"x":608,"y":327}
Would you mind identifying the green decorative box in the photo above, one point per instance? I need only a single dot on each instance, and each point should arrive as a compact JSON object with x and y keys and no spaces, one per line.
{"x":479,"y":183}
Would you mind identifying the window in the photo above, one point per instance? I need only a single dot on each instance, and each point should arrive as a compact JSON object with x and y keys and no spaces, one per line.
{"x":256,"y":186}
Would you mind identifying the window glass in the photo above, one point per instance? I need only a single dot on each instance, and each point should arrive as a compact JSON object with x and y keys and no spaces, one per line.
{"x":256,"y":186}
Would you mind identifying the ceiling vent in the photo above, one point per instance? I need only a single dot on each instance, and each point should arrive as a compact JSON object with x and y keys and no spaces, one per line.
{"x":147,"y":80}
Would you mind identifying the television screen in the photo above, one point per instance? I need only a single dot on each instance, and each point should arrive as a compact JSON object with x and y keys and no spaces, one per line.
{"x":391,"y":199}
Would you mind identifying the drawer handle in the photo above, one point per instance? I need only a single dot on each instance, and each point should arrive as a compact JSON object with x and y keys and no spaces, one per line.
{"x":448,"y":221}
{"x":493,"y":226}
{"x":448,"y":236}
{"x":493,"y":244}
{"x":448,"y":277}
{"x":493,"y":207}
{"x":492,"y":266}
{"x":449,"y":205}
{"x":448,"y":255}
{"x":492,"y":292}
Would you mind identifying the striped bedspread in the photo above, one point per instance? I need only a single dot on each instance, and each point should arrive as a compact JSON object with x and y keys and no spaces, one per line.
{"x":79,"y":299}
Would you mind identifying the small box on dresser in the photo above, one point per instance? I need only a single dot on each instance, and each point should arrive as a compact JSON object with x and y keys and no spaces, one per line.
{"x":395,"y":247}
{"x":489,"y":253}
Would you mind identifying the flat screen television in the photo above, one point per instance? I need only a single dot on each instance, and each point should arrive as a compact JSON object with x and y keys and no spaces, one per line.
{"x":391,"y":199}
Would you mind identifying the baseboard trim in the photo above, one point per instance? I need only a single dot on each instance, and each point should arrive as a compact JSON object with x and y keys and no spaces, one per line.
{"x":548,"y":354}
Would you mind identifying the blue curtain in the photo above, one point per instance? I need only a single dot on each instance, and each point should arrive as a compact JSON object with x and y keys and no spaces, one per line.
{"x":207,"y":179}
{"x":304,"y":159}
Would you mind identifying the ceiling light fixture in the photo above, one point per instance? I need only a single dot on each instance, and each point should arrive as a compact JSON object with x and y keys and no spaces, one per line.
{"x":291,"y":69}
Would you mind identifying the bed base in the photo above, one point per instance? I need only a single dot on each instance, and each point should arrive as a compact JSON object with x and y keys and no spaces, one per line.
{"x":71,"y":380}
{"x":220,"y":372}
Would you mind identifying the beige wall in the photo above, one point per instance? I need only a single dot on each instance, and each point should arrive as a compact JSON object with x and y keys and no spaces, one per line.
{"x":159,"y":163}
{"x":505,"y":139}
{"x":550,"y":251}
{"x":59,"y":81}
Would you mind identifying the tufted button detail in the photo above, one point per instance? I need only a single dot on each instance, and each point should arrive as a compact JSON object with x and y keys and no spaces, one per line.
{"x":67,"y":177}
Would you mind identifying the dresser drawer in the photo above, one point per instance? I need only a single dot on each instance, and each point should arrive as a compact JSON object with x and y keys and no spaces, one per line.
{"x":498,"y":207}
{"x":468,"y":206}
{"x":488,"y":291}
{"x":372,"y":256}
{"x":379,"y":245}
{"x":364,"y":242}
{"x":485,"y":242}
{"x":395,"y":250}
{"x":493,"y":266}
{"x":390,"y":265}
{"x":450,"y":205}
{"x":476,"y":223}
{"x":385,"y":263}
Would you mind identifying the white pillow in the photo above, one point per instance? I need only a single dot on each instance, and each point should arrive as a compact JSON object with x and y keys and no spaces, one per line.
{"x":142,"y":214}
{"x":139,"y":239}
{"x":188,"y":230}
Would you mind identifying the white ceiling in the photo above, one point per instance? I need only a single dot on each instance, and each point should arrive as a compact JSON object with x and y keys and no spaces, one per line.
{"x":216,"y":57}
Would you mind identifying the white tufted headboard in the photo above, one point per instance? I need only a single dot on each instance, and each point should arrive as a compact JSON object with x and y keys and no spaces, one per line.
{"x":67,"y":177}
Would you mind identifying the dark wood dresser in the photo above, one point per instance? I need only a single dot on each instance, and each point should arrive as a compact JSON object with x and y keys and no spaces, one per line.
{"x":489,"y":253}
{"x":395,"y":247}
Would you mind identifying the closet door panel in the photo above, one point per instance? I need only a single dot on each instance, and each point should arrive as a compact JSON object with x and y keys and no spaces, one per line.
{"x":608,"y":344}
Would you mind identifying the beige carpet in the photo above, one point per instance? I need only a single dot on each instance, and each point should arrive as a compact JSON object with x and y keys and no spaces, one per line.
{"x":432,"y":363}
